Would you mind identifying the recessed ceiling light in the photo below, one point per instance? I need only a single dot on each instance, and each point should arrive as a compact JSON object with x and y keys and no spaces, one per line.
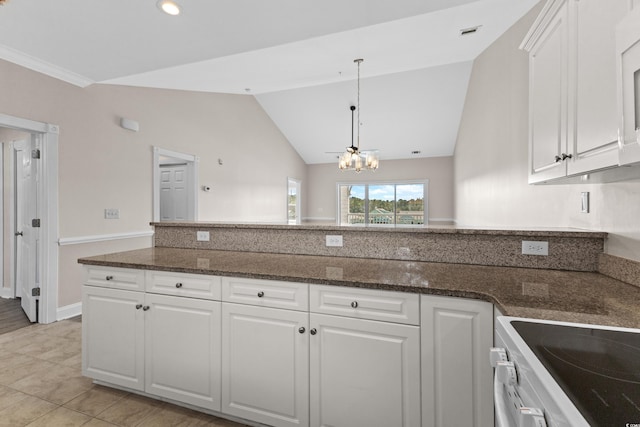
{"x":169,"y":7}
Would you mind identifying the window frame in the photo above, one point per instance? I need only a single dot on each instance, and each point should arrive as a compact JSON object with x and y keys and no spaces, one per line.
{"x":394,"y":183}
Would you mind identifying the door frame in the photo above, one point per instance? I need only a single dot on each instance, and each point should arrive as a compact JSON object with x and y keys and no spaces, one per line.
{"x":192,"y":162}
{"x":47,"y":196}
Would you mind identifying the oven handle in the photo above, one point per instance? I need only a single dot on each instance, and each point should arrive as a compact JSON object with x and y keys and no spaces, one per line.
{"x":502,"y":419}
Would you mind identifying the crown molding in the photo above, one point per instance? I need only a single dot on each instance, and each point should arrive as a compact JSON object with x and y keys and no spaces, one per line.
{"x":35,"y":64}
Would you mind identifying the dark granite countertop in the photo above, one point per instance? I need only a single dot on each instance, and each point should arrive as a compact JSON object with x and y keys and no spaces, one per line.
{"x":543,"y":294}
{"x":427,"y":229}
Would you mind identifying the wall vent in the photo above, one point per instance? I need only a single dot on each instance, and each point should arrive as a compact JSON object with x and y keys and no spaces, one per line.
{"x":470,"y":30}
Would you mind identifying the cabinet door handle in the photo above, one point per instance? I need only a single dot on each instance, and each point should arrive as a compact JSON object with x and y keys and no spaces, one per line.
{"x":301,"y":330}
{"x":178,"y":285}
{"x":138,"y":306}
{"x":354,"y":304}
{"x":558,"y":159}
{"x":566,"y":156}
{"x":313,"y":331}
{"x":146,"y":307}
{"x":109,"y":277}
{"x":260,"y":294}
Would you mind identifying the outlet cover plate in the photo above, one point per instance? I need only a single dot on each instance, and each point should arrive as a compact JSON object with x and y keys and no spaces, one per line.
{"x":112,"y":213}
{"x":334,"y":240}
{"x":530,"y":247}
{"x":202,"y":236}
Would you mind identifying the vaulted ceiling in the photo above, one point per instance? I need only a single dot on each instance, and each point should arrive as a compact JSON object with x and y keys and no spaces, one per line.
{"x":295,"y":56}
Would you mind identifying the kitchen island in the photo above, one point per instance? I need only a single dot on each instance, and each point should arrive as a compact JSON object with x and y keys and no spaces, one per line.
{"x":276,"y":338}
{"x":585,"y":297}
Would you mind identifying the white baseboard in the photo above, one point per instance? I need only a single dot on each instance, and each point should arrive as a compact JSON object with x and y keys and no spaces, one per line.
{"x":69,"y":311}
{"x":6,"y":292}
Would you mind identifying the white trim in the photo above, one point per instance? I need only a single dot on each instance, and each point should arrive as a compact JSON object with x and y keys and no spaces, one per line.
{"x":43,"y":67}
{"x":48,"y":210}
{"x":64,"y":241}
{"x":6,"y":293}
{"x":69,"y":311}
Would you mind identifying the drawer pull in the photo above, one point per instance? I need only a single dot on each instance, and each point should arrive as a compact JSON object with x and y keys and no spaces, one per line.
{"x":354,"y":304}
{"x":146,"y":307}
{"x":313,"y":331}
{"x":301,"y":330}
{"x":109,"y":277}
{"x":260,"y":294}
{"x":178,"y":285}
{"x":138,"y":306}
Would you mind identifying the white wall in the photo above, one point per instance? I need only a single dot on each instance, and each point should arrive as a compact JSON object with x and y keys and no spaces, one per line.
{"x":104,"y":166}
{"x":322,"y":179}
{"x":491,"y":160}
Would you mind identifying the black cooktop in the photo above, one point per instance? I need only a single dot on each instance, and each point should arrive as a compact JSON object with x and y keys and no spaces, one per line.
{"x":598,"y":369}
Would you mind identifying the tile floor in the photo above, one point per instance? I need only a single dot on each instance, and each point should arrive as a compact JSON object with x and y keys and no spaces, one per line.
{"x":41,"y":385}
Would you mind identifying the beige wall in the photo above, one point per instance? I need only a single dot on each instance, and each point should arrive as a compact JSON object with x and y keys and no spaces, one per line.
{"x":322,"y":179}
{"x":103,"y":166}
{"x":491,"y":160}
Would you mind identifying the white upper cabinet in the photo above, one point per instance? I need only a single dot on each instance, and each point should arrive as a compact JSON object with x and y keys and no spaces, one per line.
{"x":628,"y":61}
{"x":573,"y":119}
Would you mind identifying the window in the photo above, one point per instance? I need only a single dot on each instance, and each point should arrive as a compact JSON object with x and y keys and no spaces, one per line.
{"x":293,"y":201}
{"x":380,"y":204}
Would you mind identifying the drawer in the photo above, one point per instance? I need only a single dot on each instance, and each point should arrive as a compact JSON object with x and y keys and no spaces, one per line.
{"x":184,"y":284}
{"x":372,"y":304}
{"x":117,"y":278}
{"x":266,"y":293}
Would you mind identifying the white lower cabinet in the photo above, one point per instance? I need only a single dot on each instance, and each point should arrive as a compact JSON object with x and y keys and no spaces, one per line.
{"x":457,"y":382}
{"x":364,"y":372}
{"x":113,"y":336}
{"x":163,"y":345}
{"x":291,"y":354}
{"x":182,"y":350}
{"x":265,"y":359}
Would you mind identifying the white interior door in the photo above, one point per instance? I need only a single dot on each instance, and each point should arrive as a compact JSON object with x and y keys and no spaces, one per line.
{"x":26,"y":236}
{"x":174,"y":187}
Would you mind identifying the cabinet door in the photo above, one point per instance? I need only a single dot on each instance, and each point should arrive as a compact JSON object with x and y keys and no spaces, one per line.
{"x":363,"y":373}
{"x":456,"y":372}
{"x":113,"y":336}
{"x":182,"y":349}
{"x":265,"y":364}
{"x":594,"y":138}
{"x":548,"y":73}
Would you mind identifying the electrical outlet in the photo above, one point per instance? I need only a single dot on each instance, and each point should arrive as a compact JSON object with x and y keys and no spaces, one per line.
{"x":202,"y":236}
{"x":112,"y":213}
{"x":335,"y":241}
{"x":535,"y":248}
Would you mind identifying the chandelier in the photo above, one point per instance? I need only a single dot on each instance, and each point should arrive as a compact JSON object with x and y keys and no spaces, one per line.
{"x":353,"y":158}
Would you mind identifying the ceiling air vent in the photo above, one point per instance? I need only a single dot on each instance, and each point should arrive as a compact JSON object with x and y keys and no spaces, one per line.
{"x":470,"y":30}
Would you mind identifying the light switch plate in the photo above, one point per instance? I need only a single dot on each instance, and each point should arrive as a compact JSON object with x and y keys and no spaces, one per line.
{"x":584,"y":202}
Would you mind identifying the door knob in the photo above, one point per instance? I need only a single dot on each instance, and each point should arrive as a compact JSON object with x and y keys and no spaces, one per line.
{"x":260,"y":294}
{"x":313,"y":331}
{"x":301,"y":330}
{"x":178,"y":285}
